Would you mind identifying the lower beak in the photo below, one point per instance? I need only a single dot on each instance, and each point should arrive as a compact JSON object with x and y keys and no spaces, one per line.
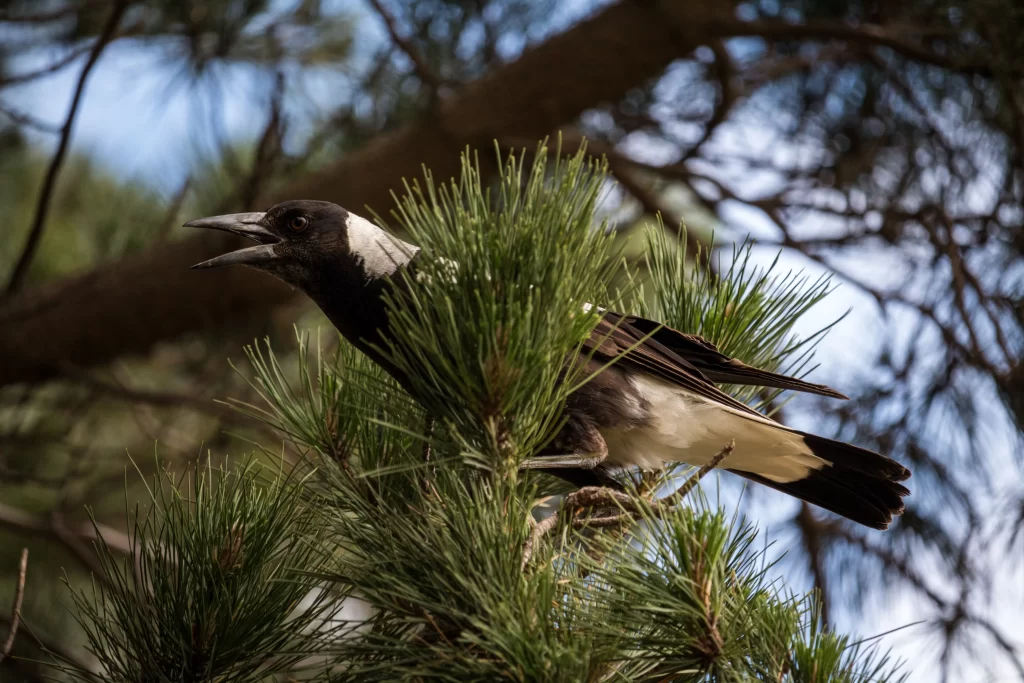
{"x":246,"y":225}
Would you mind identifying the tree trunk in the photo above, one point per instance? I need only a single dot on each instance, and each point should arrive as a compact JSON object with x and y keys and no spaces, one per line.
{"x":128,"y":306}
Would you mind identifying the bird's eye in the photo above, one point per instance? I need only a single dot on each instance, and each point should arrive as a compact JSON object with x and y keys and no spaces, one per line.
{"x":298,"y":223}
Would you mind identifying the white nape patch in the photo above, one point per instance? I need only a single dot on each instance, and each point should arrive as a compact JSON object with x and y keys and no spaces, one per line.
{"x":684,"y":427}
{"x":379,"y":253}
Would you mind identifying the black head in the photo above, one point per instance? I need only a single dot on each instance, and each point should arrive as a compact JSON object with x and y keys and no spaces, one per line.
{"x":298,"y":240}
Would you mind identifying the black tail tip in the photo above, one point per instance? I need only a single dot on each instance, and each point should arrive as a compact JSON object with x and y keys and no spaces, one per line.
{"x":873,"y":501}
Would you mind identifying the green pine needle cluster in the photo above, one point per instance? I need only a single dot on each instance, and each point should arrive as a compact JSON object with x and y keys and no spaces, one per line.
{"x":322,"y":409}
{"x":748,"y":312}
{"x":212,"y":590}
{"x":497,"y":304}
{"x":428,"y":524}
{"x":697,"y":572}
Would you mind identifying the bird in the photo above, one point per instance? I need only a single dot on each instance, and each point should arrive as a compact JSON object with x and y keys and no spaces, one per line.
{"x":656,"y":405}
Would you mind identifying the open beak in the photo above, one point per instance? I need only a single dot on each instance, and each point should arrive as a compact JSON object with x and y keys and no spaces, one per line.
{"x":246,"y":225}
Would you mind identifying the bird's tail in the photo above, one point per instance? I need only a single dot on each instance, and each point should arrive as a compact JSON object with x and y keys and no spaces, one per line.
{"x":860,"y":485}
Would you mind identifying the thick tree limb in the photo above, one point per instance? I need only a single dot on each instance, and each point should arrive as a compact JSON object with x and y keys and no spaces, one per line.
{"x":129,"y":306}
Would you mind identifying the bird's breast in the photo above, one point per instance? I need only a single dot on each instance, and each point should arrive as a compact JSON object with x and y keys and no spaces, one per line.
{"x":644,"y":421}
{"x":649,"y":423}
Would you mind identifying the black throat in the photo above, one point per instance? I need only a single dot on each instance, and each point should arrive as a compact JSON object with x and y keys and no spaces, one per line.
{"x":357,"y":308}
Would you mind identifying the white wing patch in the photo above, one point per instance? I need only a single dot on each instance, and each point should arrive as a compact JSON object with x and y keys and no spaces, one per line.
{"x":686,"y":428}
{"x":379,"y":253}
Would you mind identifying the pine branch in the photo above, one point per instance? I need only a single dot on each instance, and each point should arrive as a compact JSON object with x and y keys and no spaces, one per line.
{"x":222,"y":562}
{"x":419,"y":509}
{"x":496,"y":304}
{"x":627,"y":507}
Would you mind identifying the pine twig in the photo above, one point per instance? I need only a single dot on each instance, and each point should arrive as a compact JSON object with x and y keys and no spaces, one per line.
{"x":689,"y":484}
{"x":75,"y":538}
{"x":22,"y":119}
{"x":46,"y":194}
{"x":19,"y":597}
{"x":53,"y":647}
{"x":423,"y":70}
{"x":586,"y":497}
{"x":661,"y":505}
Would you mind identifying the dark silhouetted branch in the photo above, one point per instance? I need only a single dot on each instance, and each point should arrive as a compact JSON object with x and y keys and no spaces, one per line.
{"x":64,"y":61}
{"x":868,"y":34}
{"x":423,"y":70}
{"x":46,"y":193}
{"x":52,"y":15}
{"x":27,"y":121}
{"x":126,"y":307}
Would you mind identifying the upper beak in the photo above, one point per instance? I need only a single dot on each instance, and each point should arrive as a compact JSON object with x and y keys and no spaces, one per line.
{"x":246,"y":225}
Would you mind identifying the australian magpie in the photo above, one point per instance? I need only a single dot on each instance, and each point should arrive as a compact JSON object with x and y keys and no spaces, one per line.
{"x":657,"y":404}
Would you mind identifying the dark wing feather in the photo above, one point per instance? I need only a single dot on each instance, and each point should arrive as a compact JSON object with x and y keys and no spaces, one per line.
{"x":718,"y":367}
{"x":615,"y":339}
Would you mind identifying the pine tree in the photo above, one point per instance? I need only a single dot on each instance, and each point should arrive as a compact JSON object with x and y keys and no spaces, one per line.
{"x":465,"y":568}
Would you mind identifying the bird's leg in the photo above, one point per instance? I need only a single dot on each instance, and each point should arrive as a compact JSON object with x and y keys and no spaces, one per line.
{"x":585,"y":461}
{"x":588,"y":449}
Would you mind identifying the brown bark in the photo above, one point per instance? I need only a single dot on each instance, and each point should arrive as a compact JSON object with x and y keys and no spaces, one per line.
{"x":128,"y":306}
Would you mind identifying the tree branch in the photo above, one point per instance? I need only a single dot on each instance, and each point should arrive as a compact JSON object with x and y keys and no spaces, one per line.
{"x":607,"y":498}
{"x":27,"y":121}
{"x":72,"y":536}
{"x":871,"y":34}
{"x":423,"y":70}
{"x":812,"y":534}
{"x":19,"y":597}
{"x":52,"y":15}
{"x":173,"y":209}
{"x":128,"y":306}
{"x":64,"y":61}
{"x":728,"y":95}
{"x":46,"y":194}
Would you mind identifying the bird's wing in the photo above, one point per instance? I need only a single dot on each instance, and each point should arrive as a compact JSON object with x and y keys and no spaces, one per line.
{"x":616,"y":339}
{"x":718,"y":367}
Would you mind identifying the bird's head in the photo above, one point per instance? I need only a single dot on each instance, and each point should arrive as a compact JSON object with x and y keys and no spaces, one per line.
{"x":304,"y":241}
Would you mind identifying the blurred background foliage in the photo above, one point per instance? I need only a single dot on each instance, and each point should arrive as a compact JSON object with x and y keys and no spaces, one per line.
{"x":877,"y":141}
